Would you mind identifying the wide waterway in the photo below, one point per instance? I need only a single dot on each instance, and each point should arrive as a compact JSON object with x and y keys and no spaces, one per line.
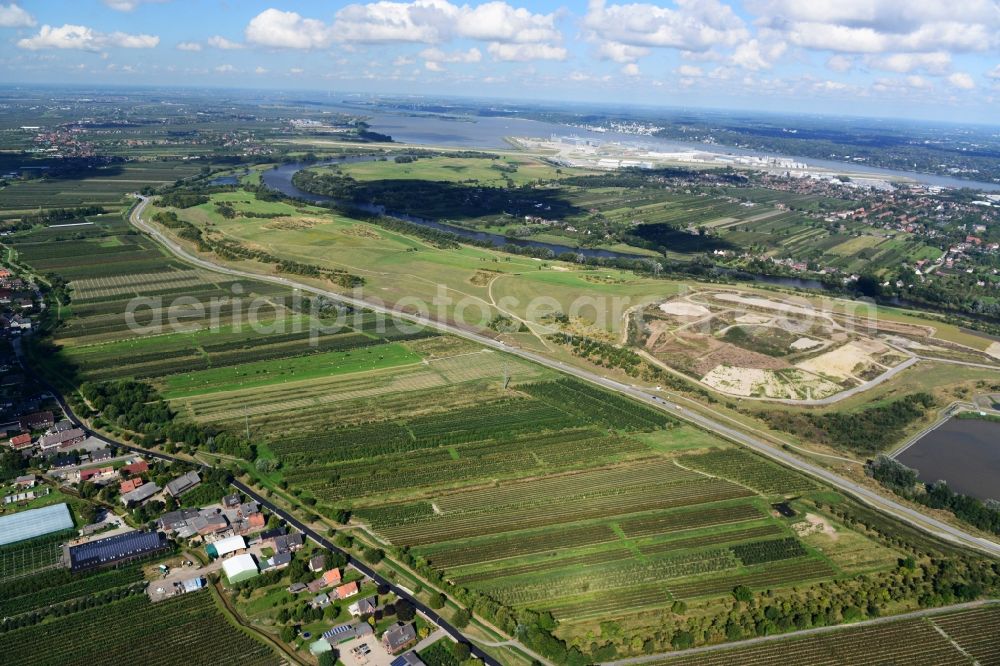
{"x":963,"y":452}
{"x":491,"y":132}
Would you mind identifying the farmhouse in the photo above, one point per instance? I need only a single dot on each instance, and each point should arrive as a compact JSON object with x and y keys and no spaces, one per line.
{"x":346,"y":590}
{"x":137,"y":467}
{"x":398,"y":637}
{"x":316,"y":563}
{"x":129,"y":485}
{"x":95,"y":473}
{"x":331,"y":577}
{"x":320,"y":601}
{"x":21,"y":441}
{"x":364,"y":606}
{"x":26,"y":481}
{"x":288,"y":543}
{"x":174,"y":520}
{"x":240,"y":568}
{"x":115,"y":549}
{"x":183,"y":483}
{"x":280,"y":561}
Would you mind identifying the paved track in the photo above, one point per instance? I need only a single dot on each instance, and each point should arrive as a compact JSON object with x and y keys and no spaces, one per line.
{"x":883,"y":503}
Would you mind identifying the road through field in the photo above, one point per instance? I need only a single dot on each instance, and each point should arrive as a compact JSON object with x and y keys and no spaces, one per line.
{"x":874,"y":499}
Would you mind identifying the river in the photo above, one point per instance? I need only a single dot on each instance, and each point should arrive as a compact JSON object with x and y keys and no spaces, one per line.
{"x":491,"y":132}
{"x":280,"y":179}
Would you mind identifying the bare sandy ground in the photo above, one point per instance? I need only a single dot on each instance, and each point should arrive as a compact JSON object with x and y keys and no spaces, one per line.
{"x":805,"y":343}
{"x":838,"y":362}
{"x":682,"y":309}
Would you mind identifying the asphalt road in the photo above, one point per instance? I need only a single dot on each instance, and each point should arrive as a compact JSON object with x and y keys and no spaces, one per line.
{"x":883,"y":503}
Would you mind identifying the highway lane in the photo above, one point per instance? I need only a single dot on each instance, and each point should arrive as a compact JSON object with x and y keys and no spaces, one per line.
{"x":867,"y":496}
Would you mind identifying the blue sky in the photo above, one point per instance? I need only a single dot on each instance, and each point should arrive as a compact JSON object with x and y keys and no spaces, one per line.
{"x":916,"y":58}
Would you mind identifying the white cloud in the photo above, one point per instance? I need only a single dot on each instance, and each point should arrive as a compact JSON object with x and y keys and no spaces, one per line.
{"x":880,"y":26}
{"x":295,"y":71}
{"x":695,"y":25}
{"x":690,"y":71}
{"x":189,"y":46}
{"x":287,"y":30}
{"x":937,"y":62}
{"x":129,"y":5}
{"x":436,"y":21}
{"x":526,"y":52}
{"x":225,"y":69}
{"x":757,"y":55}
{"x":840,"y":63}
{"x":402,"y":61}
{"x":918,"y":82}
{"x":85,"y":39}
{"x":433,"y":66}
{"x":830,"y":86}
{"x":220,"y":42}
{"x":962,"y":81}
{"x":621,"y":52}
{"x":260,"y":70}
{"x":631,"y":69}
{"x":499,"y":22}
{"x":994,"y":73}
{"x":13,"y":16}
{"x":437,"y":55}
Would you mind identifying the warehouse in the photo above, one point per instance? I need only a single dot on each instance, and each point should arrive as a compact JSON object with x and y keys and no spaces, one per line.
{"x":240,"y":568}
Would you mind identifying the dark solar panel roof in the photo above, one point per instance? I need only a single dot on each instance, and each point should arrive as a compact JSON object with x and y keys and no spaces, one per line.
{"x":112,"y":549}
{"x":336,"y":631}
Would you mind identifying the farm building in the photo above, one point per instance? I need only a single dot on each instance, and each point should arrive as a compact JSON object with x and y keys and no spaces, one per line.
{"x":345,"y":632}
{"x":115,"y":549}
{"x":408,"y":659}
{"x":280,"y":561}
{"x":193,"y":584}
{"x":183,"y":483}
{"x":26,"y":481}
{"x":223,"y":547}
{"x":36,"y":421}
{"x":140,"y":494}
{"x":398,"y":636}
{"x":34,"y":522}
{"x":240,"y":568}
{"x":61,"y":439}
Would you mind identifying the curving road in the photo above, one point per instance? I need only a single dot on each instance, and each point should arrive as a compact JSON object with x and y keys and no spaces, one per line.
{"x":876,"y":500}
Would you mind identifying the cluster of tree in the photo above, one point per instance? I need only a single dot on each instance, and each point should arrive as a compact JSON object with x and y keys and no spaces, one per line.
{"x":183,"y":199}
{"x":137,"y":407}
{"x":903,"y":481}
{"x":226,"y":210}
{"x":69,"y":607}
{"x":868,"y":430}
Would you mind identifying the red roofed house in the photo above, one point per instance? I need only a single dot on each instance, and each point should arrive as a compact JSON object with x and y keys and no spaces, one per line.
{"x":256,"y":520}
{"x":138,"y":467}
{"x":88,"y":474}
{"x":21,"y":441}
{"x":346,"y":590}
{"x":331,"y":577}
{"x":130,"y":485}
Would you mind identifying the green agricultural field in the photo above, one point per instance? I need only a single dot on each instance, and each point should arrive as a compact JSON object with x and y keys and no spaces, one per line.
{"x":113,"y":632}
{"x":960,"y":638}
